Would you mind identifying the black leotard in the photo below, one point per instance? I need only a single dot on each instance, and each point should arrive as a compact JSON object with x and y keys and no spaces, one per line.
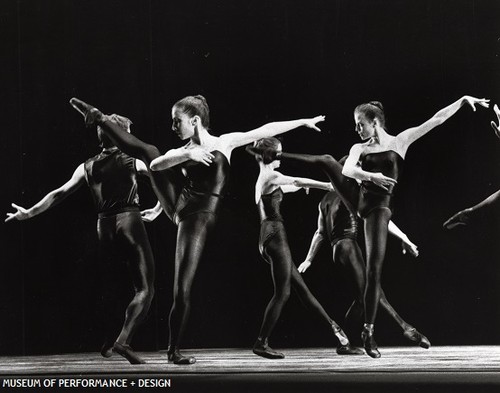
{"x":205,"y":187}
{"x":271,"y":221}
{"x":372,"y":196}
{"x":339,"y":222}
{"x":111,"y":177}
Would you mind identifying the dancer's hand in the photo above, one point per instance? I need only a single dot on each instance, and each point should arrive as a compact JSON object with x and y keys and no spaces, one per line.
{"x":304,"y":266}
{"x":472,"y":101}
{"x":496,"y":127}
{"x":199,"y":154}
{"x":409,"y":247}
{"x":382,"y":181}
{"x":311,"y":123}
{"x":20,"y":214}
{"x":149,"y":215}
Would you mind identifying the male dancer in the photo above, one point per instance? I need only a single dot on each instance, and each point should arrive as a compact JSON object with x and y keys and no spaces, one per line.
{"x":340,"y":227}
{"x":111,"y":178}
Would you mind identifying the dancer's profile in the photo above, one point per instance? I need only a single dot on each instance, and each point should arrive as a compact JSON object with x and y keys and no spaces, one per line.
{"x":190,"y":183}
{"x":376,"y":164}
{"x":111,"y":178}
{"x":274,"y":248}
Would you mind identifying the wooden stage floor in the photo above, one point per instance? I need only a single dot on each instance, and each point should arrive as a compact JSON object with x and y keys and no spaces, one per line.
{"x":400,"y":369}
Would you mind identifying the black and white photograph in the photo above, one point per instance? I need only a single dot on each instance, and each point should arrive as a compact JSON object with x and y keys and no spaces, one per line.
{"x":250,"y":195}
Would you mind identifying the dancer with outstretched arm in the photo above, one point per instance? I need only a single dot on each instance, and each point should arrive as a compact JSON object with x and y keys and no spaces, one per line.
{"x":190,"y":183}
{"x":376,"y":164}
{"x":274,"y":248}
{"x":111,"y":178}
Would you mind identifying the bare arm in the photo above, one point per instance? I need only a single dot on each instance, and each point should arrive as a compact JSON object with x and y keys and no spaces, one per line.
{"x":353,"y":169}
{"x":141,"y":167}
{"x":407,"y":245}
{"x":407,"y":137}
{"x":175,"y":157}
{"x":237,"y":139}
{"x":149,"y":215}
{"x":316,"y":243}
{"x":52,"y":199}
{"x":297,"y":183}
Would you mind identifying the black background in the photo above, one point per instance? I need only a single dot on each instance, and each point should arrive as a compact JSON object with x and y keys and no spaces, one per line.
{"x":254,"y":61}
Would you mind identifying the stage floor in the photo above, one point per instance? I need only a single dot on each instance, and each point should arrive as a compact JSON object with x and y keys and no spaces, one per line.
{"x":439,"y":369}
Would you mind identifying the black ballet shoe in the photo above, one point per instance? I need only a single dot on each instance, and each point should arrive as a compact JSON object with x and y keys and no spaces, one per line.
{"x":348,"y":350}
{"x":173,"y":355}
{"x":460,"y":218}
{"x":92,"y":115}
{"x":107,"y":349}
{"x":418,"y":338}
{"x":128,"y":353}
{"x":267,"y":154}
{"x":369,"y":344}
{"x":261,"y":348}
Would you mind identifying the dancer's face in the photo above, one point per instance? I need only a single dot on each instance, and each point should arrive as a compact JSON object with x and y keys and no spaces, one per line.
{"x":364,"y":127}
{"x":182,"y":124}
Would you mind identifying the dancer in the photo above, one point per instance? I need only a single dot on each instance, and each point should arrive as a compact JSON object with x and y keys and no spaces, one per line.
{"x":377,"y":164}
{"x":273,"y":246}
{"x":339,"y":226}
{"x":463,"y":217}
{"x":111,"y":178}
{"x":190,"y":183}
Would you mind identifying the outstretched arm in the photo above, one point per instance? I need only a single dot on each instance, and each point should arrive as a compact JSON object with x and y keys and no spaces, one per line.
{"x":52,"y":199}
{"x":407,"y":245}
{"x":237,"y":139}
{"x":407,"y":137}
{"x":292,"y":184}
{"x":496,"y":127}
{"x":175,"y":157}
{"x":316,"y":242}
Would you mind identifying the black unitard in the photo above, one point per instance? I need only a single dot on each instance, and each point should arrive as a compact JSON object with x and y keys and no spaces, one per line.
{"x":191,"y":198}
{"x":111,"y":177}
{"x":273,"y":246}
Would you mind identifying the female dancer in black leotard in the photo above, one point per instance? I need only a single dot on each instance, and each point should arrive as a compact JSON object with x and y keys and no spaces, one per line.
{"x":463,"y":217}
{"x":273,"y":246}
{"x":190,"y":198}
{"x":376,"y":164}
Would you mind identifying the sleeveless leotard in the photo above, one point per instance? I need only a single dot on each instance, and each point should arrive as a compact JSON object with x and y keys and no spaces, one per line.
{"x":271,"y":221}
{"x":372,"y":196}
{"x":338,"y":221}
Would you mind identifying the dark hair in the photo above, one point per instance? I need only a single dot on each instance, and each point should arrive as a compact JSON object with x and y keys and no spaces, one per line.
{"x":262,"y":147}
{"x":372,"y":110}
{"x":195,"y":106}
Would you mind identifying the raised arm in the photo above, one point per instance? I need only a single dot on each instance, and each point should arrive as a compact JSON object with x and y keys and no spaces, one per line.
{"x":406,"y":244}
{"x":407,"y":137}
{"x":52,"y":199}
{"x":237,"y":139}
{"x":175,"y":157}
{"x":316,"y":243}
{"x":353,"y":169}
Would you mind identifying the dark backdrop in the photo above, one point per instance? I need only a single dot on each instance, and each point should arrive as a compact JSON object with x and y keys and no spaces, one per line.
{"x":254,"y":61}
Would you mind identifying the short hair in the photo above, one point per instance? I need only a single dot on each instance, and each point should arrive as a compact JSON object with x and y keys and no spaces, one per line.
{"x":195,"y":106}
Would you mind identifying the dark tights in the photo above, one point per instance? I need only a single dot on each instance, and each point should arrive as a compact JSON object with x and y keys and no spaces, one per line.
{"x":375,"y":224}
{"x":125,"y":232}
{"x":192,"y":231}
{"x":285,"y":276}
{"x":348,"y":253}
